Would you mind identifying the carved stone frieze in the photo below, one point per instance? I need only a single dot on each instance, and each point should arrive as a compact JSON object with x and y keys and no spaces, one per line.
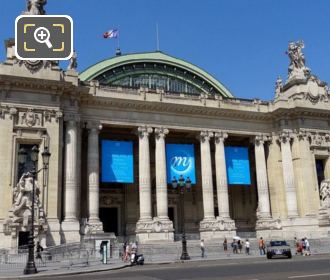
{"x":218,"y":224}
{"x":268,"y":224}
{"x":30,"y":118}
{"x":154,"y":225}
{"x":107,"y":200}
{"x":320,"y":140}
{"x":52,"y":114}
{"x":12,"y":111}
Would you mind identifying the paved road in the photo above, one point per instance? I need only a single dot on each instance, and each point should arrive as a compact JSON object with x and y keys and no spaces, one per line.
{"x":299,"y":267}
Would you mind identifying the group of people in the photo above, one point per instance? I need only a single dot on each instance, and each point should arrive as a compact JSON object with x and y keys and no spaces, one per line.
{"x":302,"y":246}
{"x":237,"y":246}
{"x":128,"y":249}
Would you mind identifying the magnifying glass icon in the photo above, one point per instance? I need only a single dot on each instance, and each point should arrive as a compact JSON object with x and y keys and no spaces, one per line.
{"x":42,"y":35}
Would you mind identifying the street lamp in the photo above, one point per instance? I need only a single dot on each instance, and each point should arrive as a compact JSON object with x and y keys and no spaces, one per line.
{"x":182,"y":184}
{"x":30,"y":267}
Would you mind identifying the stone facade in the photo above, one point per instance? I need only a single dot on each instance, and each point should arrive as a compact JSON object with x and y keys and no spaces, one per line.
{"x":287,"y":139}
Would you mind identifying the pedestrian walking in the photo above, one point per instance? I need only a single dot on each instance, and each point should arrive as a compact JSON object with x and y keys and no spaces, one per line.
{"x":297,"y":245}
{"x":262,"y":246}
{"x":247,"y":247}
{"x":239,"y":245}
{"x":234,"y":245}
{"x":202,"y":248}
{"x":307,"y":247}
{"x":225,"y":245}
{"x":39,"y":250}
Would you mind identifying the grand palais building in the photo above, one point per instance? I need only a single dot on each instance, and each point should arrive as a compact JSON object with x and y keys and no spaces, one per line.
{"x":144,"y":145}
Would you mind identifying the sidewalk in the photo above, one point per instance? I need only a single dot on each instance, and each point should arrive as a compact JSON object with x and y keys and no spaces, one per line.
{"x":58,"y":270}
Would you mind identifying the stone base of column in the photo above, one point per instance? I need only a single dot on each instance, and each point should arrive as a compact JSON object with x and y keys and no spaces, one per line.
{"x":300,"y":227}
{"x":217,"y":228}
{"x":324,"y":217}
{"x":53,"y":234}
{"x":268,"y":223}
{"x":94,"y":227}
{"x":70,"y":231}
{"x":155,"y":230}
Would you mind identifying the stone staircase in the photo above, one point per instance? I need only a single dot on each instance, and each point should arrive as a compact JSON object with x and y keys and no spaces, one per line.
{"x":168,"y":252}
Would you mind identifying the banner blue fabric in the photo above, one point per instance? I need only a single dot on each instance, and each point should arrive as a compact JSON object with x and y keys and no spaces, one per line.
{"x":238,"y":165}
{"x":117,"y":161}
{"x":180,"y":160}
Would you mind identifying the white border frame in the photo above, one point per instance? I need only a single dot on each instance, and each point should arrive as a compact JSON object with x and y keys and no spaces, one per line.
{"x":24,"y":16}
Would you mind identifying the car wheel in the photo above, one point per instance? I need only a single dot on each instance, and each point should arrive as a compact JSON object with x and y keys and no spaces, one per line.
{"x":289,"y":256}
{"x":269,"y":256}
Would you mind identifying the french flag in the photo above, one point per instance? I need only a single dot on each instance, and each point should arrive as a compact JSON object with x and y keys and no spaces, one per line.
{"x":113,"y":33}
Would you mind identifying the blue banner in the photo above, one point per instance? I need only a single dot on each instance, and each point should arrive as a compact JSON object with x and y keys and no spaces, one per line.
{"x":117,"y":161}
{"x":238,"y":165}
{"x":180,"y":160}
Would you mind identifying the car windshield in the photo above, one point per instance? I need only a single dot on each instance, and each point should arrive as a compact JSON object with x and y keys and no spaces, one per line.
{"x":278,"y":243}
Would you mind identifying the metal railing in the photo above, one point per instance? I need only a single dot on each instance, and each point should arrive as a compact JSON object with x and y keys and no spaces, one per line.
{"x":62,"y":256}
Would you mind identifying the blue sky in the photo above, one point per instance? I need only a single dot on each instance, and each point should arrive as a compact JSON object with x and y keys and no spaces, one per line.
{"x":242,"y":43}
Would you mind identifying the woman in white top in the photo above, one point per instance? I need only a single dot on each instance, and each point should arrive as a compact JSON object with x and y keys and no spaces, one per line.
{"x":247,"y":247}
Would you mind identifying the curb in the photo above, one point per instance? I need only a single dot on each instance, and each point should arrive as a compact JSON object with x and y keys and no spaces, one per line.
{"x":64,"y":273}
{"x":101,"y":269}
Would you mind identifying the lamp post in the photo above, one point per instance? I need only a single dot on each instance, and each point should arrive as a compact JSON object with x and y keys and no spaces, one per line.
{"x":182,"y":184}
{"x":30,"y":267}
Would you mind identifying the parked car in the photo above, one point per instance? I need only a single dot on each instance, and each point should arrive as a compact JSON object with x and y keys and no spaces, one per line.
{"x":278,"y":249}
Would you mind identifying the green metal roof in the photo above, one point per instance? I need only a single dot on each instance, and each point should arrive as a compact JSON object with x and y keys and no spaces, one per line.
{"x":157,"y":57}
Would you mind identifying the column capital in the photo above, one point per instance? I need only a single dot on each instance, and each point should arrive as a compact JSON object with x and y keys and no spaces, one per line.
{"x":205,"y":135}
{"x":220,"y":136}
{"x":285,"y":136}
{"x":144,"y":131}
{"x":95,"y":126}
{"x":260,"y":139}
{"x":302,"y":134}
{"x":71,"y":118}
{"x":161,"y":132}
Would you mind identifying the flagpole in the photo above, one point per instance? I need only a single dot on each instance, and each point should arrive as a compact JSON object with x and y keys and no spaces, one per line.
{"x":157,"y":34}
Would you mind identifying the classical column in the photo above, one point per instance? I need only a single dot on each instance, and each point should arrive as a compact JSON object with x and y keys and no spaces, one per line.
{"x":207,"y":184}
{"x":144,"y":173}
{"x":161,"y":179}
{"x":262,"y":180}
{"x":288,"y":174}
{"x":221,"y":174}
{"x":71,"y":184}
{"x":93,"y":171}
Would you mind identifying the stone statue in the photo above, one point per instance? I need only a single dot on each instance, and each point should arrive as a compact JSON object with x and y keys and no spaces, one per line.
{"x":278,"y":87}
{"x":73,"y":61}
{"x":325,"y":194}
{"x":36,"y":7}
{"x":20,"y":213}
{"x":297,"y":68}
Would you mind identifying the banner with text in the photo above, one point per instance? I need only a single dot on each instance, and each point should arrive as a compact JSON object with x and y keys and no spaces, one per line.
{"x":180,"y":160}
{"x":117,"y":161}
{"x":238,"y":165}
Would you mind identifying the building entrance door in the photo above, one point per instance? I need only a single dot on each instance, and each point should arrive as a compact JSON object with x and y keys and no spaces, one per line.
{"x":319,"y":170}
{"x":109,"y":218}
{"x":171,"y":216}
{"x":23,"y":238}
